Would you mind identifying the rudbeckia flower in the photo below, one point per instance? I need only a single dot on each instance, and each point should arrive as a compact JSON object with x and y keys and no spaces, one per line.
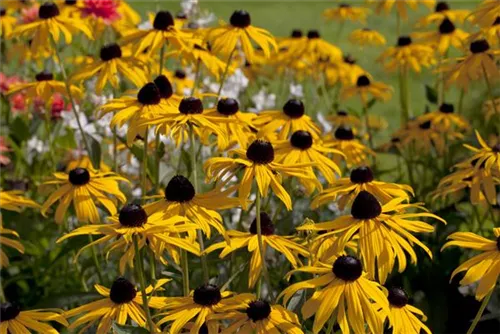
{"x":292,"y":118}
{"x":182,"y":83}
{"x":343,"y":119}
{"x":84,"y":187}
{"x":318,"y":48}
{"x":483,"y":268}
{"x":367,"y":37}
{"x":202,"y":303}
{"x":346,"y":12}
{"x":240,"y":30}
{"x":120,"y":303}
{"x":490,"y":108}
{"x":403,"y":317}
{"x":44,"y":87}
{"x":281,"y":244}
{"x":50,"y":24}
{"x":345,"y":70}
{"x":181,"y":199}
{"x":257,"y":162}
{"x":486,"y":13}
{"x":424,"y":137}
{"x":155,"y":231}
{"x":7,"y":23}
{"x":383,"y":230}
{"x":443,"y":11}
{"x":16,"y":321}
{"x":303,"y":148}
{"x":342,"y":291}
{"x":260,"y":317}
{"x":407,"y":55}
{"x":366,"y":87}
{"x":490,"y":33}
{"x":6,"y":242}
{"x":385,"y":6}
{"x":13,"y":200}
{"x":293,"y":45}
{"x":444,"y":119}
{"x":355,"y":152}
{"x":113,"y":61}
{"x":345,"y":190}
{"x":447,"y":35}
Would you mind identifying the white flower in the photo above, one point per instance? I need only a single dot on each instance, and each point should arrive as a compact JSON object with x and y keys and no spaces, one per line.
{"x":35,"y":147}
{"x":146,"y":25}
{"x":205,"y":19}
{"x":296,"y":91}
{"x":233,"y":85}
{"x":70,"y":121}
{"x":263,"y":101}
{"x":189,"y":6}
{"x":327,"y":127}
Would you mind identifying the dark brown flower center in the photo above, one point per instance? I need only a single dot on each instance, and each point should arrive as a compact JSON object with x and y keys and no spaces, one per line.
{"x":347,"y":268}
{"x":240,"y":19}
{"x":312,"y":34}
{"x":207,"y":295}
{"x":44,"y":76}
{"x":344,"y":5}
{"x":479,"y":46}
{"x":363,"y":81}
{"x":404,"y":40}
{"x":266,"y":225}
{"x":48,"y":10}
{"x":365,"y":206}
{"x":397,"y":297}
{"x":260,"y":152}
{"x":498,"y":244}
{"x":361,"y":175}
{"x":497,"y":21}
{"x":294,"y":108}
{"x":163,"y":20}
{"x":179,"y":189}
{"x":132,"y":215}
{"x":2,"y":11}
{"x":425,"y":125}
{"x":191,"y":105}
{"x":341,"y":113}
{"x":395,"y":140}
{"x":441,"y":6}
{"x":228,"y":106}
{"x":343,"y":133}
{"x":180,"y":74}
{"x":446,"y":27}
{"x":301,"y":140}
{"x":164,"y":86}
{"x":9,"y":311}
{"x":348,"y":59}
{"x":446,"y":108}
{"x":258,"y":310}
{"x":496,"y":148}
{"x":122,"y":291}
{"x":79,"y":176}
{"x":70,"y":2}
{"x":296,"y":33}
{"x":149,"y":94}
{"x":110,"y":51}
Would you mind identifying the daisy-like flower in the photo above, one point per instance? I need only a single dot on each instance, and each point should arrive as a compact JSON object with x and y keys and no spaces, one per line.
{"x":443,"y":11}
{"x":257,"y":162}
{"x":447,"y":35}
{"x":344,"y":119}
{"x":346,"y":12}
{"x":344,"y":291}
{"x":444,"y":119}
{"x":404,"y":317}
{"x":303,"y":148}
{"x":13,"y":200}
{"x":7,"y":23}
{"x":486,"y":13}
{"x":295,"y":44}
{"x":202,"y":303}
{"x":6,"y":242}
{"x":490,"y":108}
{"x":366,"y":87}
{"x":260,"y":317}
{"x":383,"y":231}
{"x":367,"y":37}
{"x":345,"y":70}
{"x":483,"y":268}
{"x":490,"y":33}
{"x":292,"y":118}
{"x":385,"y":6}
{"x":240,"y":30}
{"x":50,"y":24}
{"x":84,"y":187}
{"x":318,"y":48}
{"x":113,"y":61}
{"x":181,"y":199}
{"x":162,"y":32}
{"x":182,"y":83}
{"x":345,"y":190}
{"x":283,"y":245}
{"x":120,"y":303}
{"x":44,"y":88}
{"x":155,"y":231}
{"x":479,"y":62}
{"x":14,"y":320}
{"x":424,"y":137}
{"x":406,"y":55}
{"x":344,"y":141}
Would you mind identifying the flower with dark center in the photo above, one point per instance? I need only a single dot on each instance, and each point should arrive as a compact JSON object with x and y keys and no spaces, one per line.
{"x":343,"y":133}
{"x":365,"y":206}
{"x":179,"y":189}
{"x":266,"y":225}
{"x":311,"y":34}
{"x":2,"y":11}
{"x":341,"y":113}
{"x":446,"y":27}
{"x":207,"y":295}
{"x":258,"y":310}
{"x":180,"y":74}
{"x":363,"y":81}
{"x":348,"y":59}
{"x":110,"y":51}
{"x":181,"y":16}
{"x":397,"y":297}
{"x":395,"y":140}
{"x":347,"y":268}
{"x":122,"y":291}
{"x":228,"y":106}
{"x":294,"y":108}
{"x":301,"y":140}
{"x":79,"y":176}
{"x":70,"y":2}
{"x":163,"y":20}
{"x":367,"y":29}
{"x":496,"y":148}
{"x":479,"y":46}
{"x":296,"y":33}
{"x":48,"y":10}
{"x":441,"y":6}
{"x":425,"y":125}
{"x":240,"y":19}
{"x":446,"y":108}
{"x":164,"y":86}
{"x":149,"y":94}
{"x":497,"y":21}
{"x":132,"y":215}
{"x":203,"y":329}
{"x":498,"y":244}
{"x":361,"y":175}
{"x":404,"y":41}
{"x":44,"y":76}
{"x":191,"y":105}
{"x":260,"y":152}
{"x":344,"y":5}
{"x":8,"y":311}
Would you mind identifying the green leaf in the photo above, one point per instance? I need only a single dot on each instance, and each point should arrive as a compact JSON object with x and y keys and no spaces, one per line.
{"x":370,"y":103}
{"x":125,"y":329}
{"x":19,"y":130}
{"x":431,"y":94}
{"x":186,"y":158}
{"x":95,"y":152}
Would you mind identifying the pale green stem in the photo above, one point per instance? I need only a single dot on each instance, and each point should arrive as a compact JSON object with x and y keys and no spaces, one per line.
{"x":145,"y":164}
{"x":197,"y":77}
{"x":185,"y":272}
{"x":264,"y":273}
{"x":461,"y":101}
{"x":96,"y":261}
{"x":139,"y":270}
{"x":224,"y":75}
{"x":480,"y":312}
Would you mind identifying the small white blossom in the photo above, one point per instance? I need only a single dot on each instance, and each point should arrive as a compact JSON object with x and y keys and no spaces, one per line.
{"x":262,"y":101}
{"x":296,"y":91}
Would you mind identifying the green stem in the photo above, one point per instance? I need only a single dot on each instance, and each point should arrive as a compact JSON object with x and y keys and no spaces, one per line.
{"x":480,"y":312}
{"x":185,"y":272}
{"x":157,"y":161}
{"x":264,"y":273}
{"x":461,"y":101}
{"x":404,"y":95}
{"x":162,"y":55}
{"x":339,"y":31}
{"x":145,"y":164}
{"x":197,"y":77}
{"x":329,"y":330}
{"x":96,"y":261}
{"x":490,"y":91}
{"x":139,"y":270}
{"x":224,"y":75}
{"x":328,"y":103}
{"x":2,"y":295}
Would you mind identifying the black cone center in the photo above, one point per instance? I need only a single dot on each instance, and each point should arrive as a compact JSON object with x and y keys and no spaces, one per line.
{"x":343,"y":133}
{"x":8,"y":311}
{"x":79,"y":176}
{"x":266,"y":225}
{"x":441,"y":6}
{"x":301,"y":139}
{"x":348,"y":59}
{"x":311,"y":34}
{"x":44,"y":76}
{"x":48,"y":10}
{"x":404,"y":41}
{"x":180,"y":74}
{"x":446,"y":27}
{"x":362,"y":174}
{"x":122,"y":291}
{"x":240,"y":19}
{"x":479,"y":46}
{"x":347,"y":268}
{"x":363,"y":81}
{"x":149,"y":94}
{"x":365,"y":206}
{"x":163,"y":20}
{"x":228,"y":106}
{"x":110,"y":51}
{"x":179,"y":189}
{"x":296,"y":33}
{"x":206,"y":295}
{"x":397,"y":297}
{"x":133,"y":215}
{"x":294,"y":108}
{"x":446,"y":108}
{"x":425,"y":125}
{"x":260,"y":152}
{"x":258,"y":310}
{"x":191,"y":105}
{"x":164,"y":86}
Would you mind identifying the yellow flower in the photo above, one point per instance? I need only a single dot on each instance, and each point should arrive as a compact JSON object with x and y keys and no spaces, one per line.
{"x":318,"y":48}
{"x":407,"y":55}
{"x":490,"y":33}
{"x":16,"y":321}
{"x":346,"y":12}
{"x":13,"y":201}
{"x":444,"y":37}
{"x":486,"y":13}
{"x":403,"y":316}
{"x":384,"y":232}
{"x":443,"y":11}
{"x":4,"y":260}
{"x":423,"y":137}
{"x":342,"y":290}
{"x":50,"y":24}
{"x":281,"y":244}
{"x":490,"y":108}
{"x":7,"y":23}
{"x":367,"y":37}
{"x":445,"y":120}
{"x":343,"y":140}
{"x":343,"y":119}
{"x":346,"y":70}
{"x":366,"y":87}
{"x":240,"y":30}
{"x":385,"y":6}
{"x":120,"y":303}
{"x":181,"y":82}
{"x":84,"y":187}
{"x":483,"y":268}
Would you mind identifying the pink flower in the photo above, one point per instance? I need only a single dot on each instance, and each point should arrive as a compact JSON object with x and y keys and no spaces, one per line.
{"x":7,"y":82}
{"x":57,"y":107}
{"x":107,"y":10}
{"x":17,"y":102}
{"x":4,"y":160}
{"x":29,"y":15}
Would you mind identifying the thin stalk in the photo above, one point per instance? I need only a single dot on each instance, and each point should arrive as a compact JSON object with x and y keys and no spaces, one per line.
{"x":115,"y":151}
{"x":153,"y":266}
{"x":145,"y":164}
{"x":480,"y":312}
{"x":339,"y":32}
{"x":2,"y":295}
{"x":162,"y":56}
{"x":157,"y":161}
{"x":461,"y":101}
{"x":398,"y":24}
{"x":330,"y":325}
{"x":197,"y":77}
{"x":490,"y":91}
{"x":328,"y":103}
{"x":96,"y":261}
{"x":49,"y":138}
{"x":185,"y":272}
{"x":224,"y":75}
{"x":139,"y":270}
{"x":264,"y":273}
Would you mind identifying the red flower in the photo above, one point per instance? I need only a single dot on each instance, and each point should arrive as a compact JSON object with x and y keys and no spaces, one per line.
{"x":107,"y":10}
{"x":7,"y":82}
{"x":4,"y":160}
{"x":17,"y":102}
